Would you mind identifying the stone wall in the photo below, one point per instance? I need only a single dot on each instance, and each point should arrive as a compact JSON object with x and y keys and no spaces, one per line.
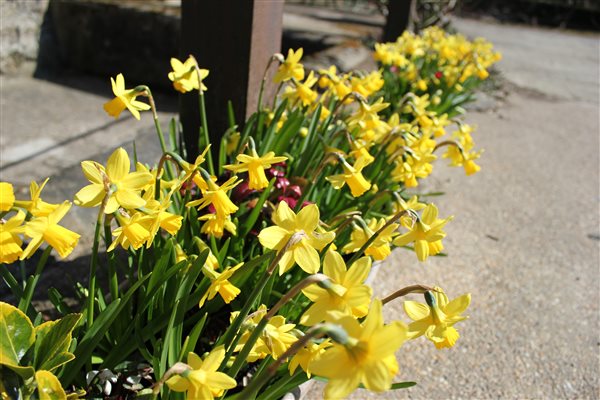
{"x":20,"y":28}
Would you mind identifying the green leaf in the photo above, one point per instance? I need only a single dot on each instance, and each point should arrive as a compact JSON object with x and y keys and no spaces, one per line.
{"x":53,"y":339}
{"x":402,"y":385}
{"x":16,"y":336}
{"x":255,"y":213}
{"x":49,"y":387}
{"x":192,"y":338}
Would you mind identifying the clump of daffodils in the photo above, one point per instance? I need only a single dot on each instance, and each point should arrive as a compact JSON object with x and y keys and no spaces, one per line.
{"x":244,"y":276}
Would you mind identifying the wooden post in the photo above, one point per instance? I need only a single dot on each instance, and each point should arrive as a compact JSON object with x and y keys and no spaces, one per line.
{"x":397,"y":20}
{"x":234,"y":40}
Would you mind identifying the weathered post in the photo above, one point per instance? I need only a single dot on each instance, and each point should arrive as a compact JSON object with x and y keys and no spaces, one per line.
{"x":398,"y":19}
{"x":234,"y":40}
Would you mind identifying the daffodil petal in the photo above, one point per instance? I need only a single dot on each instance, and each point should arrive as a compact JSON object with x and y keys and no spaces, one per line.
{"x":377,"y":378}
{"x":117,"y":166}
{"x":129,"y":199}
{"x":334,"y":266}
{"x":90,"y":195}
{"x":178,"y":384}
{"x":415,"y":310}
{"x":458,"y":305}
{"x":307,"y":258}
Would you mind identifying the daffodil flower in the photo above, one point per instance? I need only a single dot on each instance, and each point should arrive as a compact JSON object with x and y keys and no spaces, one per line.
{"x":302,"y":91}
{"x":426,"y":233}
{"x":255,"y":166}
{"x":461,"y":154}
{"x":133,"y":231}
{"x":36,"y":206}
{"x":274,"y":340}
{"x":291,"y":67}
{"x":219,"y":283}
{"x":7,"y":196}
{"x":125,"y":98}
{"x":346,"y":290}
{"x":306,"y":355}
{"x":161,"y":218}
{"x":216,"y":225}
{"x":217,"y":196}
{"x":203,"y":381}
{"x":287,"y":223}
{"x":124,"y":186}
{"x":185,"y":77}
{"x":435,"y":319}
{"x":353,"y":177}
{"x":367,"y":357}
{"x":10,"y":242}
{"x":380,"y":248}
{"x":46,"y":229}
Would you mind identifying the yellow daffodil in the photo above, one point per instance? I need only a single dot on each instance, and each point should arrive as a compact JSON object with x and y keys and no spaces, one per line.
{"x":274,"y":340}
{"x":380,"y":248}
{"x":345,"y":292}
{"x":337,"y":84}
{"x":133,"y":231}
{"x":161,"y":218}
{"x":7,"y":196}
{"x":10,"y":242}
{"x":220,"y":284}
{"x":306,"y":355}
{"x":461,"y":154}
{"x":203,"y":381}
{"x":426,"y":233}
{"x":436,"y":319}
{"x":217,"y":196}
{"x":46,"y":229}
{"x":216,"y":225}
{"x":291,"y":67}
{"x":125,"y":98}
{"x":360,"y":149}
{"x":367,"y":357}
{"x":185,"y":77}
{"x":36,"y":206}
{"x":255,"y":165}
{"x":287,"y":223}
{"x":353,"y":177}
{"x":368,"y":84}
{"x":302,"y":91}
{"x":405,"y":205}
{"x":366,"y":116}
{"x":124,"y":186}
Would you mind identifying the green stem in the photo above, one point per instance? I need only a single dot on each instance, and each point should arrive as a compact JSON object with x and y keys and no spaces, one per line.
{"x":93,"y":265}
{"x":30,"y":288}
{"x":204,"y":122}
{"x":112,"y":271}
